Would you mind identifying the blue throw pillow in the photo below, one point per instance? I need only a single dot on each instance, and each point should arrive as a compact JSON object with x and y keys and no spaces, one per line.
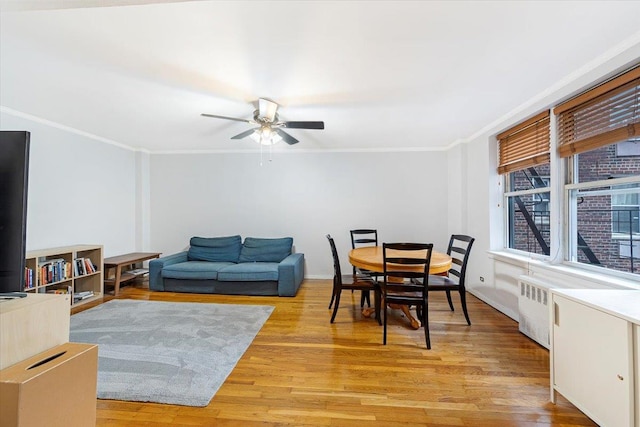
{"x":265,"y":250}
{"x":215,"y":249}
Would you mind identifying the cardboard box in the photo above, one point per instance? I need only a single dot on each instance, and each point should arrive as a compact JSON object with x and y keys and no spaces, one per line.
{"x":32,"y":325}
{"x":54,"y":388}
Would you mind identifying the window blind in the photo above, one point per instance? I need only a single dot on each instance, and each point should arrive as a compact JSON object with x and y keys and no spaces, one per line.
{"x":604,"y":115}
{"x":524,"y":145}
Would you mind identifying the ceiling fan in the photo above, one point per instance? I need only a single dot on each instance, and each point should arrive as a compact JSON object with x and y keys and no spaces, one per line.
{"x":270,"y":128}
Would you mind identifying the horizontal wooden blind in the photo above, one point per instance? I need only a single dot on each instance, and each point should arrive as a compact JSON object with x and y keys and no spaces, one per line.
{"x":606,"y":114}
{"x":524,"y":145}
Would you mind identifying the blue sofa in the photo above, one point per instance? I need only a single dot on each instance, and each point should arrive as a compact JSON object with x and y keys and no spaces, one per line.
{"x":226,"y":265}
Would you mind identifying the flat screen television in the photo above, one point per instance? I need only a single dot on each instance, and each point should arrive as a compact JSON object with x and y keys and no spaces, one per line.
{"x":14,"y":174}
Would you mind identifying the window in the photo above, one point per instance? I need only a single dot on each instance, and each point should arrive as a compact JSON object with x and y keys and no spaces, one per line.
{"x":604,"y":224}
{"x":524,"y":162}
{"x":527,"y":202}
{"x":598,"y":134}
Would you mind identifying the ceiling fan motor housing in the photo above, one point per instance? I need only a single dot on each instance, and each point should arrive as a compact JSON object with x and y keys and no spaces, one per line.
{"x":263,"y":120}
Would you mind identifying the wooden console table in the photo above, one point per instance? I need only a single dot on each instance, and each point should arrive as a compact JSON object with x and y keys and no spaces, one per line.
{"x":126,"y":260}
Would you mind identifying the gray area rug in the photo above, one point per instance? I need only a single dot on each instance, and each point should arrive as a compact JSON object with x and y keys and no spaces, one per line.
{"x":166,"y":352}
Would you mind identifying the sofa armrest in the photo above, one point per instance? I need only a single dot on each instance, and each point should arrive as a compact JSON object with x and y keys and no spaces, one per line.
{"x":156,"y":283}
{"x":290,"y":275}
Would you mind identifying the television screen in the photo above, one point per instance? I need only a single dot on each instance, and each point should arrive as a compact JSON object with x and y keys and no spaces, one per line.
{"x":14,"y":171}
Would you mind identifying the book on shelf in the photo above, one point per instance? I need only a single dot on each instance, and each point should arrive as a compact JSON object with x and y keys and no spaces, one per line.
{"x":50,"y":261}
{"x":53,"y":270}
{"x":61,"y":290}
{"x":83,"y":294}
{"x":28,"y":278}
{"x":79,"y":296}
{"x":88,"y":266}
{"x":82,"y":266}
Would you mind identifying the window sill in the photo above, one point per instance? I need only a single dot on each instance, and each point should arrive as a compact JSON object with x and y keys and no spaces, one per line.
{"x":606,"y":280}
{"x":518,"y":258}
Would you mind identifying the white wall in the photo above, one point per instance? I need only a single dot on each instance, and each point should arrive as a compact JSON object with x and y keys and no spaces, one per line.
{"x":80,"y":190}
{"x":302,"y":195}
{"x":143,"y":201}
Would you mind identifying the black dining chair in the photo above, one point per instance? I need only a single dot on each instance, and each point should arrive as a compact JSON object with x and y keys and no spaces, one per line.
{"x":459,"y":250}
{"x":406,"y":279}
{"x":364,"y":237}
{"x":341,"y":282}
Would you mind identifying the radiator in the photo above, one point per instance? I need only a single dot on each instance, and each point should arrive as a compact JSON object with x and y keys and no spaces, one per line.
{"x":533,"y":309}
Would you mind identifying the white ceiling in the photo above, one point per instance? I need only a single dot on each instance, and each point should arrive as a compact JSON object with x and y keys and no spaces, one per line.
{"x":381,"y":75}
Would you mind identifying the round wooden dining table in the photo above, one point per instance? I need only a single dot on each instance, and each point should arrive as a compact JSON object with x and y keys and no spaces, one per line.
{"x":370,"y":258}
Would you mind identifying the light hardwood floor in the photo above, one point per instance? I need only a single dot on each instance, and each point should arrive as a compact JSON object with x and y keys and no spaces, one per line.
{"x":303,"y":371}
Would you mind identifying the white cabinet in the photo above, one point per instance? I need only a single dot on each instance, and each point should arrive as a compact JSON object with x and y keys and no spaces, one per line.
{"x":594,"y":349}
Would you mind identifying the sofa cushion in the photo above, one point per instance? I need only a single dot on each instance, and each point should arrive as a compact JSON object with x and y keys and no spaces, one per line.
{"x":215,"y":249}
{"x":265,"y":250}
{"x":194,"y":270}
{"x":249,"y":271}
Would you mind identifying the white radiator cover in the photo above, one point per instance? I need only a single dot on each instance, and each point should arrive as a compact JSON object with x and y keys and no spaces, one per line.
{"x":533,"y":309}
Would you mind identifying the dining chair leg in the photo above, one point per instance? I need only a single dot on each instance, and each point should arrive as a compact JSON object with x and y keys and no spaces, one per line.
{"x":384,"y":333}
{"x":449,"y":299}
{"x":335,"y":307}
{"x":333,"y":292}
{"x":354,"y":275}
{"x":365,"y":298}
{"x":377,"y":301}
{"x":463,"y":301}
{"x":425,"y":324}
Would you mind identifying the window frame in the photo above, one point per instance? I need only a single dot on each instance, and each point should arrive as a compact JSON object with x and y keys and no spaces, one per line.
{"x":571,"y":194}
{"x":506,"y":196}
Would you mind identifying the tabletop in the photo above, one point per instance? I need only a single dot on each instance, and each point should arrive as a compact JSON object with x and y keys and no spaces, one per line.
{"x":370,"y":258}
{"x":130,"y":258}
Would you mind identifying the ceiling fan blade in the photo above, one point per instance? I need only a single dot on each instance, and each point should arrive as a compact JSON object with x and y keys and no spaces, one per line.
{"x":286,"y":137}
{"x":304,"y":125}
{"x":227,"y":118}
{"x":267,"y":109}
{"x":244,"y":134}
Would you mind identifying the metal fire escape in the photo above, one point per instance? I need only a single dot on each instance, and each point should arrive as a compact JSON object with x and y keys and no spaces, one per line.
{"x":537,"y":182}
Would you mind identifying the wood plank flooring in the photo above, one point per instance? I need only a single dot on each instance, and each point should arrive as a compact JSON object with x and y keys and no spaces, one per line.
{"x":303,"y":371}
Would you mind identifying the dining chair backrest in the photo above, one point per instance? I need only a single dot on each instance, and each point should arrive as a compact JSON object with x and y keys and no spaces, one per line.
{"x":364,"y":237}
{"x":402,"y":264}
{"x":337,"y":273}
{"x":459,"y":249}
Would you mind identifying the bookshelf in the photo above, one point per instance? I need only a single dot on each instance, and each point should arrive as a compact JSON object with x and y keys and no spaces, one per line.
{"x":74,"y":270}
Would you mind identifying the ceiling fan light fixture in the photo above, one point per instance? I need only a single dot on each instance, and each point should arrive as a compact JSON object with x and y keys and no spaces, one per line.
{"x":266,"y":136}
